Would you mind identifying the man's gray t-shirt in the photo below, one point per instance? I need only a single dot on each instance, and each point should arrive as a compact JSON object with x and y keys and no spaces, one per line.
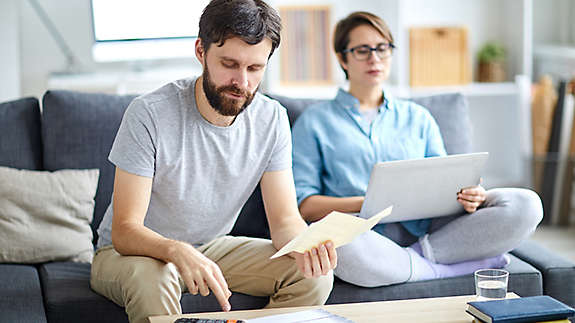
{"x":202,"y":173}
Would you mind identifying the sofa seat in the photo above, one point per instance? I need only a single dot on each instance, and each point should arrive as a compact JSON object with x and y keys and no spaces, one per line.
{"x":69,"y":298}
{"x":21,"y":294}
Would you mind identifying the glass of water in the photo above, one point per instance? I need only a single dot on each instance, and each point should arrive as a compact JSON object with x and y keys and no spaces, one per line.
{"x":491,"y":284}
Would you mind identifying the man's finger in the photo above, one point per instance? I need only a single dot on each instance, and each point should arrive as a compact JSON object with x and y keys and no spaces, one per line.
{"x":307,"y":271}
{"x":316,"y":268}
{"x":324,"y":260}
{"x":191,"y":284}
{"x":222,"y":281}
{"x":219,"y":292}
{"x":202,"y":286}
{"x":332,"y":254}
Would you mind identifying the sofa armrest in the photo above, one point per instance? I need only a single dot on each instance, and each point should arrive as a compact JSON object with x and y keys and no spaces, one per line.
{"x":558,"y":272}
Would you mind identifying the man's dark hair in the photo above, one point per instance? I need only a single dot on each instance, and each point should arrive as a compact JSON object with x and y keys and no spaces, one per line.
{"x":250,"y":20}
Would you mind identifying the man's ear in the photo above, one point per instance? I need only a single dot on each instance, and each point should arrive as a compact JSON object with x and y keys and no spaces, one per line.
{"x":200,"y":52}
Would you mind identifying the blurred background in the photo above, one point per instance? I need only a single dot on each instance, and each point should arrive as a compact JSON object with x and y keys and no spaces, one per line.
{"x":495,"y":52}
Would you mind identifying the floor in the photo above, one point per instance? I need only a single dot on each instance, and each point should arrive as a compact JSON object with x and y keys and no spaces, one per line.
{"x":558,"y":239}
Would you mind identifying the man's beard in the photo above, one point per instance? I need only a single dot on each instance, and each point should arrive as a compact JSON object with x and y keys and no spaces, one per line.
{"x":223,"y":104}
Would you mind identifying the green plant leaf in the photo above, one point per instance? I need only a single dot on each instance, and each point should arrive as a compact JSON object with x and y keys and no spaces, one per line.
{"x":491,"y":52}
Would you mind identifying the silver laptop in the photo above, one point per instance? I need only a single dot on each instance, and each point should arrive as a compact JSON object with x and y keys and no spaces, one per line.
{"x":421,"y":188}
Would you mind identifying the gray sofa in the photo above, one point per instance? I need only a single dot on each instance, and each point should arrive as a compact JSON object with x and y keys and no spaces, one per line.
{"x":76,"y":130}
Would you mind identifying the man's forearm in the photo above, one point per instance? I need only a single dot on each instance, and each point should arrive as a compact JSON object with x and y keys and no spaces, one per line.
{"x":286,"y":232}
{"x":137,"y":240}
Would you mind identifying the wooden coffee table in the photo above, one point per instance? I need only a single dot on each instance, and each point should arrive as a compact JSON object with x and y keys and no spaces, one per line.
{"x":440,"y":309}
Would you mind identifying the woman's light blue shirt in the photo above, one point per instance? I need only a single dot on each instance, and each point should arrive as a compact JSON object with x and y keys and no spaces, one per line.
{"x":334,"y":148}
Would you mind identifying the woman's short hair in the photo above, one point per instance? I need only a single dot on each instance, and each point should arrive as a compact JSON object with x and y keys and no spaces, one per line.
{"x":250,"y":20}
{"x":347,"y":24}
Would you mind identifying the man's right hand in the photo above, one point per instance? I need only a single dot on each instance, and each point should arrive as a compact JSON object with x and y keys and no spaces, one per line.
{"x":200,"y":273}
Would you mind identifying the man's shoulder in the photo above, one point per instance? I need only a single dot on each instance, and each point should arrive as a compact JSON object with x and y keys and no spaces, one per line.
{"x":264,"y":107}
{"x":168,"y":94}
{"x":266,"y":102}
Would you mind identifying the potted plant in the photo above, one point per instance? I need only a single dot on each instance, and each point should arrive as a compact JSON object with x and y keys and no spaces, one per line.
{"x":491,"y":59}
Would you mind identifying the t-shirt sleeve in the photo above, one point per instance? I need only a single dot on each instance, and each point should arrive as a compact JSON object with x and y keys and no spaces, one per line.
{"x":281,"y":153}
{"x":134,"y":149}
{"x":307,"y":160}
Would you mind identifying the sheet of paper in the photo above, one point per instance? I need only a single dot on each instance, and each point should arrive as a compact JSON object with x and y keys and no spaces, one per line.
{"x":338,"y":227}
{"x":316,"y":316}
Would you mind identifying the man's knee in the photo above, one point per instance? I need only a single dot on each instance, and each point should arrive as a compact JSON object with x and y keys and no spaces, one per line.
{"x":320,"y":288}
{"x":296,"y":290}
{"x":152,"y":282}
{"x":143,"y":285}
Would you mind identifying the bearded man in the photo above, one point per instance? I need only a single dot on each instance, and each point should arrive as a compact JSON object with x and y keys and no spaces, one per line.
{"x":187,"y":157}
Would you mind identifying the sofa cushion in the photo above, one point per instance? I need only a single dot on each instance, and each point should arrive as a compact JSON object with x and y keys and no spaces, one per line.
{"x":524,"y":280}
{"x":294,"y":106}
{"x":20,"y":142}
{"x":45,"y":216}
{"x":452,"y":115}
{"x":20,"y":294}
{"x":78,"y":130}
{"x":69,"y":298}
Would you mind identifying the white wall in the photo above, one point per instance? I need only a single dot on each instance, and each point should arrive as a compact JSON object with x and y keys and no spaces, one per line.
{"x":554,"y":22}
{"x":9,"y":51}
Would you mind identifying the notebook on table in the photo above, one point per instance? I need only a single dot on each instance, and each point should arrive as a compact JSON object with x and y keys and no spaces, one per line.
{"x":517,"y":310}
{"x":421,"y":188}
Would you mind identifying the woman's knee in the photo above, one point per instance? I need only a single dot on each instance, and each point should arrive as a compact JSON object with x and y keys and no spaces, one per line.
{"x":522,"y":208}
{"x":367,"y":268}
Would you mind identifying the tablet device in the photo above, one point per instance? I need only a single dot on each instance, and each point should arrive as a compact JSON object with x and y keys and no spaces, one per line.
{"x":421,"y":188}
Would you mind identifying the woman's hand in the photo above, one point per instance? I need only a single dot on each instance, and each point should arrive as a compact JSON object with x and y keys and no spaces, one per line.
{"x":471,"y":198}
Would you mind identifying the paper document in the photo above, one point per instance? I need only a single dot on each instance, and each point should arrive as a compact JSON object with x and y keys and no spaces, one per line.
{"x":338,"y":227}
{"x":318,"y":315}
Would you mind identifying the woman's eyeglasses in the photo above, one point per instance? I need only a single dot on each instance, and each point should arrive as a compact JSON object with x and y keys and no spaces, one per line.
{"x":363,"y":52}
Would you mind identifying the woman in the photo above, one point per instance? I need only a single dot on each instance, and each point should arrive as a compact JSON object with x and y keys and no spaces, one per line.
{"x":336,"y":145}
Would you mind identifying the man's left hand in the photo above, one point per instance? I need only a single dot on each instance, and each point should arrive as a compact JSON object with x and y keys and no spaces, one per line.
{"x":471,"y":198}
{"x":318,"y":261}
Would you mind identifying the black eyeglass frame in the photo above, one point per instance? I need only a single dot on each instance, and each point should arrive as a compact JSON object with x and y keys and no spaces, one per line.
{"x":352,"y":50}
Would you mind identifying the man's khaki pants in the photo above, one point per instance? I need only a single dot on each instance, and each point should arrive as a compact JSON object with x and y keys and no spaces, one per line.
{"x":146,"y":286}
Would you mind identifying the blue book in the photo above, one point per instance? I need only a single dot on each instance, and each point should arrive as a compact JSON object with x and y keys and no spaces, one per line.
{"x":520,"y":310}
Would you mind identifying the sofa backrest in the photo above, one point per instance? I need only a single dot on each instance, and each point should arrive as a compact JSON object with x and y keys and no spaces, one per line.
{"x":452,"y":115}
{"x":78,"y":130}
{"x":449,"y":110}
{"x":20,"y":138}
